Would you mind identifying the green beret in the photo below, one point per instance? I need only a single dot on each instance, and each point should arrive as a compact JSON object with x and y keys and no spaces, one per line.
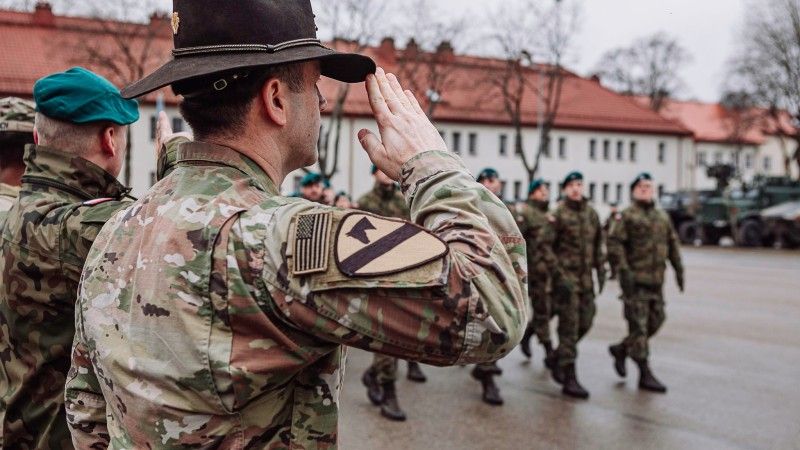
{"x":641,"y":177}
{"x":374,"y":169}
{"x":572,"y":176}
{"x":310,"y":178}
{"x":535,"y":185}
{"x":80,"y":96}
{"x":487,"y":173}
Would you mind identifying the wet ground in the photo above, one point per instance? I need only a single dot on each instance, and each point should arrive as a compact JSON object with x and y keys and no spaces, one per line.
{"x":729,"y":353}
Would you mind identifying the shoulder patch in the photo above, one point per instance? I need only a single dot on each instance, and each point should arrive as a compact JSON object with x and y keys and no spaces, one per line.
{"x":97,"y":201}
{"x":311,"y":243}
{"x":368,"y":246}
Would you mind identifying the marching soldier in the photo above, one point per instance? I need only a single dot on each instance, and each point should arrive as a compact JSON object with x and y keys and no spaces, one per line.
{"x":579,"y":248}
{"x":214,"y":310}
{"x":69,"y":190}
{"x":386,"y":199}
{"x":16,"y":131}
{"x":641,"y":241}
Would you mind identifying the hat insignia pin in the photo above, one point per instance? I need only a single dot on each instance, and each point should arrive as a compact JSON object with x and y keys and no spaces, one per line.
{"x":176,"y":22}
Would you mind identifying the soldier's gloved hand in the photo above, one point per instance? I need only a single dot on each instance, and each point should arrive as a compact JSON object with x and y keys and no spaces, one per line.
{"x":404,"y":128}
{"x":680,"y":280}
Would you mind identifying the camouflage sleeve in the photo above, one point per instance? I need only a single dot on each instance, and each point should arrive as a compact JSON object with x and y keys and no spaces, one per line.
{"x":599,"y":246}
{"x":84,"y":402}
{"x":466,"y":305}
{"x":617,"y":240}
{"x":674,"y":247}
{"x":168,"y":155}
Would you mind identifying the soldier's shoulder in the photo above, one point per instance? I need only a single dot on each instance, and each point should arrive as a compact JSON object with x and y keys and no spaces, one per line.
{"x":101,"y":210}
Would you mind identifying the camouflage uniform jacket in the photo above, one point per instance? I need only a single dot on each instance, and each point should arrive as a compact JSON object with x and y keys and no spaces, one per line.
{"x":386,"y":201}
{"x":579,"y":241}
{"x":199,"y":328}
{"x":47,"y":236}
{"x":642,"y":240}
{"x":8,"y":195}
{"x":536,"y":226}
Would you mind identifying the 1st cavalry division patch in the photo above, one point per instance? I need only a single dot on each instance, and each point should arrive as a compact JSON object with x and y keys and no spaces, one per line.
{"x":311,"y":243}
{"x":367,"y":245}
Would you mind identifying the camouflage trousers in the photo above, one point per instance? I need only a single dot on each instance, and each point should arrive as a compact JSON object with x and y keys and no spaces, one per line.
{"x":645,"y":314}
{"x":541,"y":302}
{"x":575,"y":317}
{"x":385,"y":368}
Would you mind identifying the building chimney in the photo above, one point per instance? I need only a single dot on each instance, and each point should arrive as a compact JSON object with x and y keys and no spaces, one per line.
{"x":445,"y":51}
{"x":595,"y":77}
{"x":43,"y":15}
{"x":160,"y":23}
{"x":387,"y":52}
{"x":412,"y":49}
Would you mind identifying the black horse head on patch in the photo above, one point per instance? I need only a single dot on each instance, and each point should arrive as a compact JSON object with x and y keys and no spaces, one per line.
{"x":359,"y":231}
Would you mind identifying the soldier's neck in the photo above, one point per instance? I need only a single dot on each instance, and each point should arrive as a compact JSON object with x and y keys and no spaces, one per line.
{"x":264,"y":152}
{"x":12,"y":175}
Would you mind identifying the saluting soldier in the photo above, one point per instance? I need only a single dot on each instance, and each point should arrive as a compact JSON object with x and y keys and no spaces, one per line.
{"x":213,"y":311}
{"x":386,"y":199}
{"x":69,"y":190}
{"x":641,"y":241}
{"x":16,"y":131}
{"x":579,"y":248}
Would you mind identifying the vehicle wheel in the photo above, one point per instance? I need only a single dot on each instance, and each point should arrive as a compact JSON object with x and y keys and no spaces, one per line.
{"x":690,"y":233}
{"x":751,"y":234}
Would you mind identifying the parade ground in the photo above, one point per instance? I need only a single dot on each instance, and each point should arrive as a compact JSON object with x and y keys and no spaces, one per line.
{"x":729,"y":353}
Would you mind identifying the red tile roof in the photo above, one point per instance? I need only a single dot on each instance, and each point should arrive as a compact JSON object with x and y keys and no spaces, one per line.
{"x":37,"y":44}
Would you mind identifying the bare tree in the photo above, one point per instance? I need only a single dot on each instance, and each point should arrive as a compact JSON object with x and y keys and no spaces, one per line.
{"x":353,"y":25}
{"x":650,"y":66}
{"x":767,"y":64}
{"x":534,"y":38}
{"x":741,"y":117}
{"x":123,"y":48}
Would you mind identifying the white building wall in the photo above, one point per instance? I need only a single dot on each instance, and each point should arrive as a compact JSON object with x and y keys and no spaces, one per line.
{"x":143,"y":160}
{"x":766,"y":159}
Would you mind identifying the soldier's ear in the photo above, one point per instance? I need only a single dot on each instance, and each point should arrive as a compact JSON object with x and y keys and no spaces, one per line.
{"x":109,"y":140}
{"x":274,"y":101}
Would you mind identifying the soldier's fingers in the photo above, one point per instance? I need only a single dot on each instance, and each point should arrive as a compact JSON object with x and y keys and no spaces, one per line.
{"x":388,"y":93}
{"x":376,"y":100}
{"x":412,"y":99}
{"x":372,"y":145}
{"x":394,"y":83}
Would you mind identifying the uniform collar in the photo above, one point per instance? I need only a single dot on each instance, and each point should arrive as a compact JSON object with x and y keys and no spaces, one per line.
{"x":78,"y":175}
{"x":647,"y":206}
{"x":540,"y":205}
{"x":217,"y":154}
{"x":383,"y":191}
{"x":6,"y":190}
{"x":575,"y":205}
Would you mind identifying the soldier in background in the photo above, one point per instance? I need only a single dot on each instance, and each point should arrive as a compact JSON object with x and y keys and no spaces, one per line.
{"x":312,"y":188}
{"x":579,"y":248}
{"x":69,"y":190}
{"x":255,"y":294}
{"x":386,"y":199}
{"x":613,"y":211}
{"x":544,"y":275}
{"x":640,"y":243}
{"x":16,"y":131}
{"x":343,"y":200}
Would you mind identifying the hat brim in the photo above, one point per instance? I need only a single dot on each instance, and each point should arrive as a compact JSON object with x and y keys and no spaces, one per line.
{"x":346,"y":67}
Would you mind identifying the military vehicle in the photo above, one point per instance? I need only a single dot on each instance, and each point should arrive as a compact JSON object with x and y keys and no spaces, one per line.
{"x":783,"y":222}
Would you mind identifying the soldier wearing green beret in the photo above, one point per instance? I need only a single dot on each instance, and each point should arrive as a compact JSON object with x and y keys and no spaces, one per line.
{"x":312,"y":187}
{"x":544,"y":274}
{"x":69,"y":190}
{"x":386,"y":199}
{"x":640,"y":243}
{"x":16,"y":131}
{"x":215,"y":312}
{"x":579,"y":248}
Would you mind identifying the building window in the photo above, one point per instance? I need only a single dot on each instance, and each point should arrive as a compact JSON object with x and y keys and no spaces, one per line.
{"x":562,"y":148}
{"x":606,"y":189}
{"x":767,"y":164}
{"x":503,"y":145}
{"x":546,"y":149}
{"x":748,"y":161}
{"x":633,"y":151}
{"x":718,"y":158}
{"x":701,"y":159}
{"x":620,"y":150}
{"x":502,"y":189}
{"x":441,"y":133}
{"x":662,"y":152}
{"x":660,"y":190}
{"x":593,"y":150}
{"x":592,"y":189}
{"x":152,"y":179}
{"x":456,"y":142}
{"x":619,"y":193}
{"x":177,"y":124}
{"x":473,"y":144}
{"x":153,"y":124}
{"x":606,"y":150}
{"x":517,"y":189}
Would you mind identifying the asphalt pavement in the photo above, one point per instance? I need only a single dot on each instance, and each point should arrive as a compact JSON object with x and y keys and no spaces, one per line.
{"x":729,"y":353}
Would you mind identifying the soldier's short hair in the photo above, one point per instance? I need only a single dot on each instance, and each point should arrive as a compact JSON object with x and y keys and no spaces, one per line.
{"x":76,"y":139}
{"x":211,"y":111}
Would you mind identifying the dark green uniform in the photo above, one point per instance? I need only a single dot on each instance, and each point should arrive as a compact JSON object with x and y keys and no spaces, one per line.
{"x":579,"y":248}
{"x":640,"y":242}
{"x":536,"y":226}
{"x":385,"y":201}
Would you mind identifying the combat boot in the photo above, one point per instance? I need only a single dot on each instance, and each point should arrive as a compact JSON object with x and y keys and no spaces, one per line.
{"x":389,"y":406}
{"x":491,"y":393}
{"x":648,"y":381}
{"x":415,"y":373}
{"x":556,"y":371}
{"x":373,"y":387}
{"x":549,"y":355}
{"x":572,"y":387}
{"x":525,"y":345}
{"x":619,"y":353}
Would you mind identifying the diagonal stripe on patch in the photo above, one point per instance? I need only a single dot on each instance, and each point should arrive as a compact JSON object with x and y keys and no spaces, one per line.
{"x":363,"y":257}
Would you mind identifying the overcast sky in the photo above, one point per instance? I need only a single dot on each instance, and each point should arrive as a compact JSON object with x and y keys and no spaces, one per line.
{"x":707,"y":28}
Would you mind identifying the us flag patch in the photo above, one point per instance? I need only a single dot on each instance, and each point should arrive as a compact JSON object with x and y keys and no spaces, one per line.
{"x":311,"y":243}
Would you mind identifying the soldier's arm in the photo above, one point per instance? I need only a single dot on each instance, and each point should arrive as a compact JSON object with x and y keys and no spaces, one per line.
{"x":617,"y":240}
{"x":674,"y":247}
{"x":599,"y":246}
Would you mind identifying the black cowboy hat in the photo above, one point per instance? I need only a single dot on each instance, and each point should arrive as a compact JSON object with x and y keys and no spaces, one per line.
{"x":213,"y":36}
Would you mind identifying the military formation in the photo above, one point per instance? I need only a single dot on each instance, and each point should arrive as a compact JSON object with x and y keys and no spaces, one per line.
{"x":214,"y":312}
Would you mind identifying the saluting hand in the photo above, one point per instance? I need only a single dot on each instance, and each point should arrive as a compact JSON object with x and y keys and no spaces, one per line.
{"x":164,"y":133}
{"x":404,"y":128}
